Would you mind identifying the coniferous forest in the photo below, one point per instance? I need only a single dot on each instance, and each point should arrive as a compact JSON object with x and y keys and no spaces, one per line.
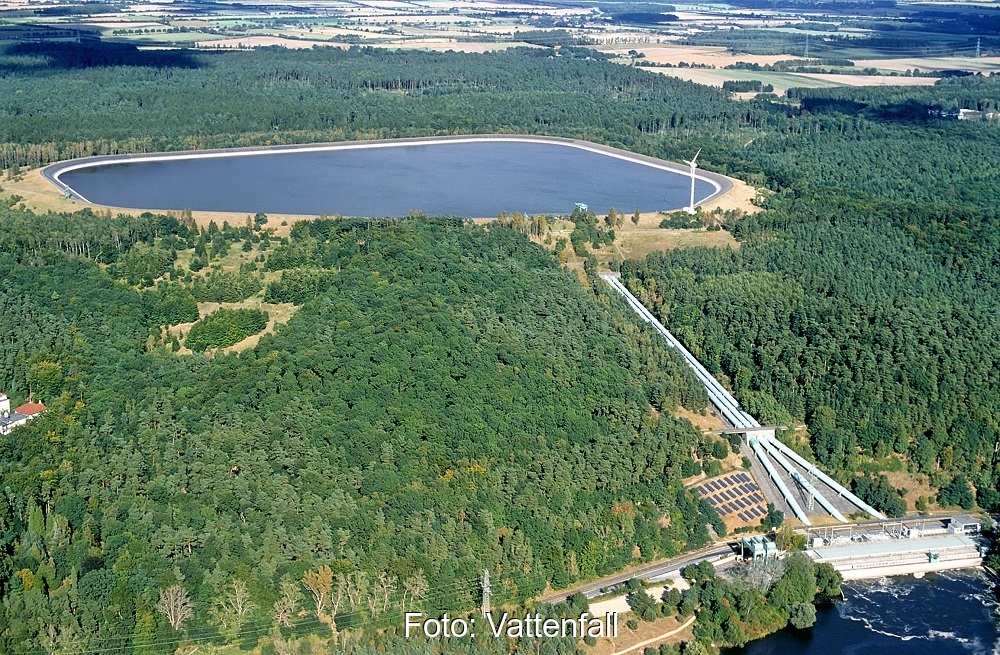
{"x":447,"y":397}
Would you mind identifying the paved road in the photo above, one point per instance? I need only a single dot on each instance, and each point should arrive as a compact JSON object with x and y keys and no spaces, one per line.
{"x":592,"y":590}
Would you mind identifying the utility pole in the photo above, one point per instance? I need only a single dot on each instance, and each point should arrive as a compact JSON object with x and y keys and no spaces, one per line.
{"x":486,"y":592}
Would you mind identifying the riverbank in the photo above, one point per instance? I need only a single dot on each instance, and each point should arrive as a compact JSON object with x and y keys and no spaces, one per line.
{"x":947,"y":613}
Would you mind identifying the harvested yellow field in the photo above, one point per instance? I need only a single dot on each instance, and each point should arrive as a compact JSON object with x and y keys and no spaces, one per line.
{"x":443,"y":45}
{"x":983,"y":64}
{"x":666,"y":53}
{"x":263,"y":41}
{"x":871,"y":80}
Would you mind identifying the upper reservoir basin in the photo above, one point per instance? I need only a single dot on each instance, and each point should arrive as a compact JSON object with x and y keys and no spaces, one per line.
{"x":470,"y":177}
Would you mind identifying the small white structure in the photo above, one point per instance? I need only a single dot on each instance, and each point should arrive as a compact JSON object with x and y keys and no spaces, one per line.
{"x":964,"y":524}
{"x":758,"y":547}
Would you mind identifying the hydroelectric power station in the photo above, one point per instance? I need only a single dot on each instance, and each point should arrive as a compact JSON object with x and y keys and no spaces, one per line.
{"x":913,"y":546}
{"x":784,"y":468}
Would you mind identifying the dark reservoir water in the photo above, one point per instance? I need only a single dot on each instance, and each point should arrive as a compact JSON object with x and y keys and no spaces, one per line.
{"x":477,"y":179}
{"x":951,"y":613}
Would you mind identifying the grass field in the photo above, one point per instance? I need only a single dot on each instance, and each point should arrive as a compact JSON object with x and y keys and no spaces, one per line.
{"x":636,"y":244}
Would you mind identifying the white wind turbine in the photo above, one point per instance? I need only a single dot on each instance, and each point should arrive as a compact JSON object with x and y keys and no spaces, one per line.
{"x":690,"y":208}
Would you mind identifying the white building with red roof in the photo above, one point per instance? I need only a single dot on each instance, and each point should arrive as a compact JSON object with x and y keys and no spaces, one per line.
{"x":19,"y":416}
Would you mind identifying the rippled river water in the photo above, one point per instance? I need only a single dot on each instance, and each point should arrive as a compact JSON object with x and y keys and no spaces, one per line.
{"x":951,"y":613}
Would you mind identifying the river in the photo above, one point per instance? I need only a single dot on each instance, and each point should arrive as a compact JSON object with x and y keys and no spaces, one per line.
{"x":950,"y":613}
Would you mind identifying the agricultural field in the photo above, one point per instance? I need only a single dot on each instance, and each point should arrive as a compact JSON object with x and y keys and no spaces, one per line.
{"x":784,"y":81}
{"x":712,"y":37}
{"x":780,"y":81}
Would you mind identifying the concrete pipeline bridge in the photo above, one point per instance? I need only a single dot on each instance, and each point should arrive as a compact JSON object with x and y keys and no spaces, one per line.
{"x":795,"y":484}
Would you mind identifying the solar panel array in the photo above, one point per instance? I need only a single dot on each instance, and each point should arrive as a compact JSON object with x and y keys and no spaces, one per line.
{"x":735,"y":494}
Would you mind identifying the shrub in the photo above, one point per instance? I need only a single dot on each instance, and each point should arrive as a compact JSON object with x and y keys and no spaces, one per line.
{"x":226,"y":287}
{"x":957,"y":492}
{"x":169,"y":305}
{"x":299,"y":285}
{"x":224,"y":328}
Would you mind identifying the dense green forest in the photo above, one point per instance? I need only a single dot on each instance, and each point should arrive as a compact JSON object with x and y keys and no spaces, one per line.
{"x":447,"y":397}
{"x":224,"y":328}
{"x":752,"y":602}
{"x":152,"y":101}
{"x":865,"y":299}
{"x":451,"y":399}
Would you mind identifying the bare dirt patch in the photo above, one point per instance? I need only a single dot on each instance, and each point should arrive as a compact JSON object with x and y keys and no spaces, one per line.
{"x":636,"y":244}
{"x":278,"y":314}
{"x":661,"y":631}
{"x":704,"y":422}
{"x":915,"y":486}
{"x":742,"y":197}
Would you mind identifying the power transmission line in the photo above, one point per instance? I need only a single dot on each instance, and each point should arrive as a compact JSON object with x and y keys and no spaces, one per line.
{"x":486,"y":592}
{"x":252,"y":629}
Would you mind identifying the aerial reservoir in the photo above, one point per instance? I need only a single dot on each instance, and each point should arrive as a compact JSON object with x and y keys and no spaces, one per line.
{"x":466,"y":176}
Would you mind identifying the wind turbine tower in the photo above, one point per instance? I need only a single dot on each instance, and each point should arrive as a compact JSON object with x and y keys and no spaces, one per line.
{"x":690,"y":208}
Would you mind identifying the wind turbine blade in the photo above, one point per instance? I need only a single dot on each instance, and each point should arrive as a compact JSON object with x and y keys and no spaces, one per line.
{"x":695,"y":158}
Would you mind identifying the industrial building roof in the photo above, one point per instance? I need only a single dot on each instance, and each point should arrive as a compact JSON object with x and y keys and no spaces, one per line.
{"x":963,"y":519}
{"x":892,"y":547}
